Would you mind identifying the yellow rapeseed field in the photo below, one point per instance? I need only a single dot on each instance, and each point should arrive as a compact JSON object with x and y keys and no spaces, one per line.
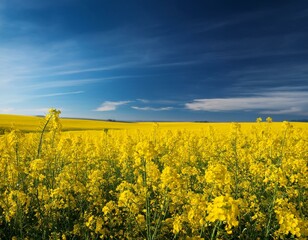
{"x":152,"y":180}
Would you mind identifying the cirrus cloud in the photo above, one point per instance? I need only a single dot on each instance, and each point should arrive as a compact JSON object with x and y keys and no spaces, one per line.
{"x":110,"y":105}
{"x":152,"y":108}
{"x":274,"y":102}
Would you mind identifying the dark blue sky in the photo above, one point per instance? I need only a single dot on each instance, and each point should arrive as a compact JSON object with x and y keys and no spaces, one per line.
{"x":155,"y":60}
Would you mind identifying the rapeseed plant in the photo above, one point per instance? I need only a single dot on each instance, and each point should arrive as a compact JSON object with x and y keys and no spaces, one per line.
{"x":248,"y":183}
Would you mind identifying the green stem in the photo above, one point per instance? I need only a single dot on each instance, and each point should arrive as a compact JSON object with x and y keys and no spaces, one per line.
{"x":162,"y":216}
{"x":41,"y":138}
{"x":270,"y":216}
{"x":214,"y":230}
{"x":236,"y":168}
{"x":147,"y":202}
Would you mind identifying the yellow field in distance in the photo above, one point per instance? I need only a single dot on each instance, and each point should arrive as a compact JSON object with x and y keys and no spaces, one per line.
{"x":32,"y":124}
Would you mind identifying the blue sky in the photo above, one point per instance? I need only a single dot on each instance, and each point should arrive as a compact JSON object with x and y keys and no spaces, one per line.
{"x":155,"y":60}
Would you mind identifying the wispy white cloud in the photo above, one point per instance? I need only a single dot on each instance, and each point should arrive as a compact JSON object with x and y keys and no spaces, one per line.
{"x":71,"y":82}
{"x":96,"y":69}
{"x":143,"y":100}
{"x":57,"y":94}
{"x":281,"y":102}
{"x":152,"y":108}
{"x":231,"y":22}
{"x":110,"y":105}
{"x":295,"y":110}
{"x":159,"y":101}
{"x":271,"y":75}
{"x":175,"y":64}
{"x":19,"y":62}
{"x":24,"y":97}
{"x":61,"y":84}
{"x":28,"y":111}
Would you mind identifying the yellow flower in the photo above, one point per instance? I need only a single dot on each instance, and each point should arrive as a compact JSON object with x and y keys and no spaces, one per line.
{"x":177,"y":224}
{"x":269,"y":119}
{"x":225,"y":209}
{"x":140,"y":219}
{"x":37,"y":165}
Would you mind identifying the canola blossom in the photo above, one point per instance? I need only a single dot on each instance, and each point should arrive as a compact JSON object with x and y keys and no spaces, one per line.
{"x":155,"y":183}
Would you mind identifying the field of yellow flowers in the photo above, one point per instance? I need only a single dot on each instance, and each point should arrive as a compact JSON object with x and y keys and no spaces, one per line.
{"x":155,"y":183}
